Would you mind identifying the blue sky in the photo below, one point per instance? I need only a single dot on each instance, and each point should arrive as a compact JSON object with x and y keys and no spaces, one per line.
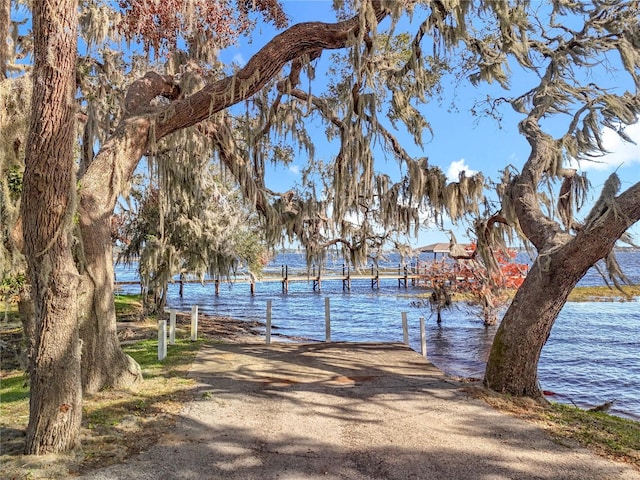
{"x":460,"y":141}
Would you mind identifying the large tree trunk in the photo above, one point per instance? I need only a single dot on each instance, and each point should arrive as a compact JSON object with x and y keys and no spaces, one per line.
{"x":47,"y":211}
{"x":513,"y":361}
{"x":104,"y":364}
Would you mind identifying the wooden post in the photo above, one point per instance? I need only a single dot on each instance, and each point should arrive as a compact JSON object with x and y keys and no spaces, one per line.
{"x":253,"y":288}
{"x":217,"y":284}
{"x":285,"y":279}
{"x":162,"y":339}
{"x":327,"y":319}
{"x":181,"y":284}
{"x":405,"y":329}
{"x":423,"y":338}
{"x":268,"y":328}
{"x":172,"y":326}
{"x":346,"y":278}
{"x":194,"y":323}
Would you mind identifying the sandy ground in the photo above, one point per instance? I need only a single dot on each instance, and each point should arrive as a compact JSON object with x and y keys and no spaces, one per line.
{"x":347,"y":411}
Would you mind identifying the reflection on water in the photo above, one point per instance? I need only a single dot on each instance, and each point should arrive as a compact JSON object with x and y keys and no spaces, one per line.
{"x":449,"y":344}
{"x":592,"y":355}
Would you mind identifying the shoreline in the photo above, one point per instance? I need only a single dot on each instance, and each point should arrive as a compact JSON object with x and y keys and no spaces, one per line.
{"x":135,"y":429}
{"x":237,"y":331}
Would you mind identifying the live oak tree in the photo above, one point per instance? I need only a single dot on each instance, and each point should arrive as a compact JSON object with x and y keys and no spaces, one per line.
{"x":48,"y":209}
{"x":353,"y":205}
{"x":49,"y":212}
{"x":568,"y":49}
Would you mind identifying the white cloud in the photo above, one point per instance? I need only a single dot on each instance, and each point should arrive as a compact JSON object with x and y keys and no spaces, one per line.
{"x":295,"y":169}
{"x":453,"y":173}
{"x":238,"y":58}
{"x":621,"y":153}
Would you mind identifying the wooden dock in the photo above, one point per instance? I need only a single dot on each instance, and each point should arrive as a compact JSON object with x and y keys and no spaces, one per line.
{"x":403,"y":275}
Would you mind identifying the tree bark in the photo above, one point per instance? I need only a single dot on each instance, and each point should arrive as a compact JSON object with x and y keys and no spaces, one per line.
{"x":5,"y":24}
{"x":513,"y":361}
{"x":26,"y":309}
{"x":104,"y":364}
{"x":47,"y":210}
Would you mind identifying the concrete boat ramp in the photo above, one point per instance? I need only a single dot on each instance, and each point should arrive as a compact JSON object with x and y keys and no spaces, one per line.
{"x":347,"y":411}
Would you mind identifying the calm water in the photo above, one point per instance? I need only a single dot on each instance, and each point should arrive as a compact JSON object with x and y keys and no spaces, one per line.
{"x":592,"y":355}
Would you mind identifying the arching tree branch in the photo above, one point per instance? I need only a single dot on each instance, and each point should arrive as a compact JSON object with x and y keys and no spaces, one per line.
{"x":143,"y":91}
{"x":302,"y":39}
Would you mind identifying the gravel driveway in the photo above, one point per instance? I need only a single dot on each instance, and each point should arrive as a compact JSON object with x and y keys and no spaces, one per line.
{"x":347,"y":411}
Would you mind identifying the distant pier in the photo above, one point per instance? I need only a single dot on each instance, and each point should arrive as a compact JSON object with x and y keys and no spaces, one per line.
{"x":403,"y":275}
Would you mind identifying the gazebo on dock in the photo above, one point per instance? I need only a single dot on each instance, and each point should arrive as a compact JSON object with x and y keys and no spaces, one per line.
{"x":435,"y":248}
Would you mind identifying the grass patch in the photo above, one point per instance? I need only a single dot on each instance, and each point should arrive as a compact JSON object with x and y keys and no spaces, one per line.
{"x":607,"y":435}
{"x":163,"y":380}
{"x":116,"y":423}
{"x":179,"y":356}
{"x":128,"y":306}
{"x":13,"y":388}
{"x":604,"y":294}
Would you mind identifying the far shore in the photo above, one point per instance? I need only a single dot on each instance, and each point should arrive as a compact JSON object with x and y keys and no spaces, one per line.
{"x":600,"y":293}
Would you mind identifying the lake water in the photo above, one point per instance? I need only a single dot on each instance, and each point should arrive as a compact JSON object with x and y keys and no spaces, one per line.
{"x":592,"y":355}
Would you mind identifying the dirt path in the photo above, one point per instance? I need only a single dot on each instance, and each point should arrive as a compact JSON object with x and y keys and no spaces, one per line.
{"x":347,"y":411}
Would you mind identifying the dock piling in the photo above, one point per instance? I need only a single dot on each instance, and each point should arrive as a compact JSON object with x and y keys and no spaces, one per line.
{"x":317,"y":280}
{"x":405,"y":329}
{"x":346,"y":278}
{"x":268,"y":324}
{"x":375,"y":277}
{"x":285,"y":279}
{"x":327,"y":319}
{"x":423,"y":338}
